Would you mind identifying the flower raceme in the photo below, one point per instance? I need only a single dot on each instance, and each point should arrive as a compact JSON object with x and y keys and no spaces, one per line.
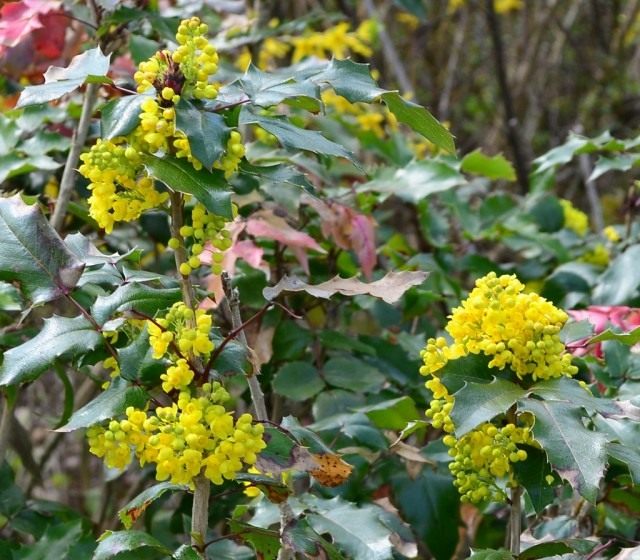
{"x":519,"y":332}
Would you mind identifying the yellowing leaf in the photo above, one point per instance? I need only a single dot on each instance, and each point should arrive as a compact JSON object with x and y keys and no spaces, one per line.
{"x":331,"y":470}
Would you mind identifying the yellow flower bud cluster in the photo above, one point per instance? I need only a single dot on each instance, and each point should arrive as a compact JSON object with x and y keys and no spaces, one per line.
{"x":198,"y":59}
{"x":205,"y":227}
{"x":195,"y":434}
{"x":598,"y":255}
{"x":574,"y":219}
{"x":231,"y":159}
{"x":483,"y":456}
{"x":120,"y":190}
{"x":364,"y":116}
{"x":516,"y":329}
{"x":189,"y":331}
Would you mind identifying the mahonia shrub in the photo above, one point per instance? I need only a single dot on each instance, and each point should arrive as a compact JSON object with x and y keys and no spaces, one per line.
{"x":519,"y":332}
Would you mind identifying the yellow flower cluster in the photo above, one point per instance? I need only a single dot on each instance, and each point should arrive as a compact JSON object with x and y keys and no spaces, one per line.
{"x":574,"y":219}
{"x":365,"y":118}
{"x":336,"y":42}
{"x":195,"y":434}
{"x":500,"y":6}
{"x":187,"y":329}
{"x":120,"y":190}
{"x":205,"y":228}
{"x":233,"y":156}
{"x":514,"y":328}
{"x":611,"y":234}
{"x":598,"y":255}
{"x":484,"y":455}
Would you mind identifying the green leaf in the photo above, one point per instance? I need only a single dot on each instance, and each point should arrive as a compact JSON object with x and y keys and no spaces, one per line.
{"x":415,"y":181}
{"x":300,"y":537}
{"x":620,"y":282}
{"x":393,"y":414}
{"x":117,"y":542}
{"x":622,"y":162}
{"x":476,"y":403}
{"x":60,"y":337}
{"x":570,"y":391}
{"x":353,"y":374}
{"x":267,"y":90}
{"x":351,"y":80}
{"x":91,"y":65}
{"x":627,"y":455}
{"x":629,"y":338}
{"x":420,"y":120}
{"x":137,"y":296}
{"x":298,"y":381}
{"x":546,"y":550}
{"x":137,"y":362}
{"x":430,"y":503}
{"x":111,"y":403}
{"x":209,"y":187}
{"x":491,"y":555}
{"x":186,"y":552}
{"x":265,"y":542}
{"x":207,"y":132}
{"x":121,"y":116}
{"x":531,"y":474}
{"x":135,"y":508}
{"x":292,"y":137}
{"x":57,"y":541}
{"x":577,"y":454}
{"x":32,"y":253}
{"x":576,"y":330}
{"x":496,"y":167}
{"x":473,"y":368}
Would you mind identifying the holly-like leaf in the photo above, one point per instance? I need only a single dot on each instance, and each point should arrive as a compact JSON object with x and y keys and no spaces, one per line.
{"x":476,"y":403}
{"x":420,"y":120}
{"x":629,"y":338}
{"x":620,"y":282}
{"x":60,"y":337}
{"x":267,"y":90}
{"x":32,"y":253}
{"x":531,"y":474}
{"x":300,"y":537}
{"x":136,"y":296}
{"x":117,"y":542}
{"x":390,"y":288}
{"x":293,"y":137}
{"x":351,"y":80}
{"x":135,"y":508}
{"x":570,"y":391}
{"x":207,"y":132}
{"x":576,"y":453}
{"x":91,"y":65}
{"x":628,"y":456}
{"x":121,"y":116}
{"x":137,"y":362}
{"x":496,"y":167}
{"x":265,"y":542}
{"x":109,"y":404}
{"x":209,"y":187}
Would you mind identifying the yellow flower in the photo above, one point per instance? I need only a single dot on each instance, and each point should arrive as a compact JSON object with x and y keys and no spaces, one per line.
{"x":574,"y":219}
{"x":611,"y":234}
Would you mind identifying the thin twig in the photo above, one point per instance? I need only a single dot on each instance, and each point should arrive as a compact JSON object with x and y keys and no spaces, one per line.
{"x":5,"y":425}
{"x":67,"y":182}
{"x":598,"y":549}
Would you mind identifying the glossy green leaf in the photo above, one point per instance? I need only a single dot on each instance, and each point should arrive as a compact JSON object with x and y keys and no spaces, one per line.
{"x":110,"y":403}
{"x":32,"y":253}
{"x":209,"y":187}
{"x":531,"y":475}
{"x":620,"y":282}
{"x":121,"y":116}
{"x":57,"y":541}
{"x":134,"y":296}
{"x":59,"y":337}
{"x":353,"y":374}
{"x":300,"y":537}
{"x":473,"y":368}
{"x":570,"y":391}
{"x":267,"y":90}
{"x":552,"y":549}
{"x":476,"y":403}
{"x":137,"y":362}
{"x":492,"y":167}
{"x":265,"y":542}
{"x":207,"y":132}
{"x":186,"y":552}
{"x":629,"y":338}
{"x":430,"y":503}
{"x":576,"y":453}
{"x":293,"y":137}
{"x":393,"y":414}
{"x":116,"y":542}
{"x":622,"y":162}
{"x":60,"y":81}
{"x":420,"y":120}
{"x":135,"y":508}
{"x":298,"y":381}
{"x":351,"y":80}
{"x":416,"y":181}
{"x":627,"y":455}
{"x":491,"y":555}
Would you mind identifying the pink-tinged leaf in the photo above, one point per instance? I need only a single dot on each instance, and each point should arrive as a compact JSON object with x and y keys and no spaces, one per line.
{"x":390,"y":288}
{"x":601,"y":317}
{"x":364,"y":242}
{"x":19,"y":19}
{"x":248,"y":251}
{"x":265,"y":223}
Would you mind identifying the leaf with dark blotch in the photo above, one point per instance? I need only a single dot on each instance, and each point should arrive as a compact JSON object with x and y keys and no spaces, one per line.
{"x":136,"y":296}
{"x":33,"y":254}
{"x":265,"y":542}
{"x":135,"y":508}
{"x":121,"y":116}
{"x":89,"y":66}
{"x":116,"y":542}
{"x":476,"y":403}
{"x":576,"y":453}
{"x":60,"y":337}
{"x":209,"y":187}
{"x":300,"y":537}
{"x":111,"y":403}
{"x":207,"y":132}
{"x":390,"y":288}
